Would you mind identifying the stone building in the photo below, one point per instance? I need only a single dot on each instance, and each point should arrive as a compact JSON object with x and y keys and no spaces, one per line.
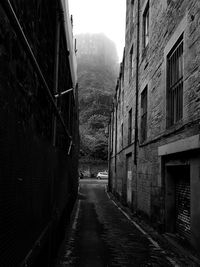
{"x":154,"y":143}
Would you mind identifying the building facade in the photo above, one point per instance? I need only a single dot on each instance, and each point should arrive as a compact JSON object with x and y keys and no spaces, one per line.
{"x":39,"y":130}
{"x":154,"y":142}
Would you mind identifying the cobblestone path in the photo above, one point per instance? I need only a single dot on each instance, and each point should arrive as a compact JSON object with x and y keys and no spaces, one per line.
{"x":102,"y":236}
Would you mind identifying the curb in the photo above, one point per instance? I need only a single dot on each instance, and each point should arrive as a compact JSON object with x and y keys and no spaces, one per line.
{"x":176,"y":251}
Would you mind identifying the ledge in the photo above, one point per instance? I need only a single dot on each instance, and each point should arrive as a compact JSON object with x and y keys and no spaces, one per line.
{"x":185,"y":144}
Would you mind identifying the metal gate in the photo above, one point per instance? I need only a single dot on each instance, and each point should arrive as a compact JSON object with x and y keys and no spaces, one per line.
{"x":182,"y":199}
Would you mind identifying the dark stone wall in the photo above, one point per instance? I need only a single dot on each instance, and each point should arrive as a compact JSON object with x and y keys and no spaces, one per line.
{"x":38,"y":181}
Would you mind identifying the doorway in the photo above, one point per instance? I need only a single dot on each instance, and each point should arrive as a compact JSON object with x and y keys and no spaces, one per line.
{"x":129,"y":178}
{"x":177,"y":200}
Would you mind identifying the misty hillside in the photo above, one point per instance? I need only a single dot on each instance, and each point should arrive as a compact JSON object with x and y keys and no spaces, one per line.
{"x":97,"y":73}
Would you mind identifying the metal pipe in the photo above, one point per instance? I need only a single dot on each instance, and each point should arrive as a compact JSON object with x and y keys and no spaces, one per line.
{"x":137,"y":85}
{"x":70,"y":147}
{"x":116,"y":136}
{"x":17,"y":27}
{"x":109,"y":152}
{"x":37,"y":246}
{"x":63,"y":93}
{"x":56,"y":69}
{"x":137,"y":93}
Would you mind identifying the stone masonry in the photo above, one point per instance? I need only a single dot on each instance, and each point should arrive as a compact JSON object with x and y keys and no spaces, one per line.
{"x":146,"y":67}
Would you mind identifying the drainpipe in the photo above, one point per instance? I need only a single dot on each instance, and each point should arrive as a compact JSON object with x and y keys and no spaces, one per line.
{"x":137,"y":94}
{"x":108,"y":155}
{"x":56,"y":71}
{"x":116,"y":145}
{"x":137,"y":85}
{"x":109,"y":152}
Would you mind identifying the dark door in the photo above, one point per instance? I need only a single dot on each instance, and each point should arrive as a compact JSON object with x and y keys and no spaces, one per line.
{"x":182,"y":202}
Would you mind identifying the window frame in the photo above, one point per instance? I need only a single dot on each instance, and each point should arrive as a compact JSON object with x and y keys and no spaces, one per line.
{"x":122,"y":103}
{"x":130,"y":118}
{"x":132,"y":8}
{"x":112,"y":130}
{"x":144,"y":114}
{"x":145,"y":26}
{"x":174,"y":82}
{"x":131,"y":64}
{"x":122,"y":135}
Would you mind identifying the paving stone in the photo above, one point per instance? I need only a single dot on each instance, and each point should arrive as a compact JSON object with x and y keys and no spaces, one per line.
{"x":103,"y":236}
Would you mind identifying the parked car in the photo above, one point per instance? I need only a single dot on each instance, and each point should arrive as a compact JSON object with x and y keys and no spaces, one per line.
{"x":102,"y":175}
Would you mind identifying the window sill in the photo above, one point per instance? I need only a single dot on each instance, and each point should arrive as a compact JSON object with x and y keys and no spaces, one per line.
{"x":174,"y":126}
{"x":141,"y":143}
{"x":168,"y":131}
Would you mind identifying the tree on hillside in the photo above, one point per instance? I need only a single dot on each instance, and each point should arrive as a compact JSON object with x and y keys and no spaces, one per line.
{"x":97,"y":73}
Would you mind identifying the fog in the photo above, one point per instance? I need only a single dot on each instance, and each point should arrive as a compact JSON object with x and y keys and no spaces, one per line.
{"x":105,"y":16}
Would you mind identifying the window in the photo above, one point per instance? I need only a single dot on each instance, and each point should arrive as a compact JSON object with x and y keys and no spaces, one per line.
{"x":123,"y":75}
{"x":119,"y":107}
{"x":122,"y":135}
{"x":130,"y":127}
{"x":122,"y":103}
{"x":123,"y":67}
{"x":146,"y":26}
{"x":175,"y":83}
{"x":131,"y":20}
{"x":112,"y":130}
{"x":132,"y":12}
{"x":131,"y":64}
{"x":144,"y":115}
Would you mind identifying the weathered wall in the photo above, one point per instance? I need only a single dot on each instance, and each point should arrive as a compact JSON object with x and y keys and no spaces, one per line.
{"x":168,"y":20}
{"x":38,"y":181}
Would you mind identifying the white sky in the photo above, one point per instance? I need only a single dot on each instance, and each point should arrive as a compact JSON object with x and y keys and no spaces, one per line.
{"x":97,"y":16}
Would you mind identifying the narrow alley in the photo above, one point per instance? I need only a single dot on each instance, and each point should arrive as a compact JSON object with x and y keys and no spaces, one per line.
{"x":100,"y":133}
{"x":101,"y":235}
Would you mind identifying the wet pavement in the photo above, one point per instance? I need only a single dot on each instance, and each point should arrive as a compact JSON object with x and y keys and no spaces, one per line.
{"x":101,"y":235}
